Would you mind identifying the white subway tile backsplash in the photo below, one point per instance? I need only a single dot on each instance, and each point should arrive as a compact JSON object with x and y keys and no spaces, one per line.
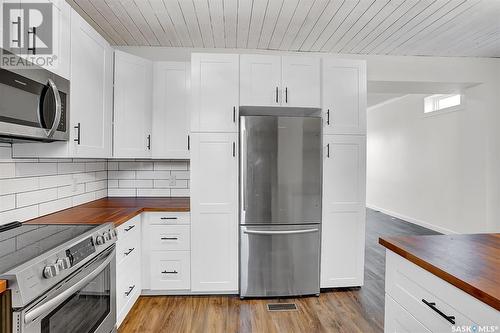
{"x":15,"y":185}
{"x":100,"y":175}
{"x":122,"y":192}
{"x":181,"y":174}
{"x":95,"y":186}
{"x":70,"y":167}
{"x":7,"y":170}
{"x":7,"y":202}
{"x":153,"y":174}
{"x":126,"y":165}
{"x":112,"y":166}
{"x":153,"y":192}
{"x":70,"y":190}
{"x":19,"y":214}
{"x":135,"y":183}
{"x":180,"y":192}
{"x":121,"y":174}
{"x":55,"y":181}
{"x":35,"y":197}
{"x":95,"y":166}
{"x":171,"y":165}
{"x":83,"y":198}
{"x":35,"y":169}
{"x":112,"y":183}
{"x":54,"y":206}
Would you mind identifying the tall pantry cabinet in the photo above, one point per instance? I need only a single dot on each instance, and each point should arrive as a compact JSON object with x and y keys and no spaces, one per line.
{"x":344,"y":172}
{"x":214,"y":173}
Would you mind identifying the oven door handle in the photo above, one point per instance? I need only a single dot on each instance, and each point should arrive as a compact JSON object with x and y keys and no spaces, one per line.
{"x":57,"y":100}
{"x":51,"y":304}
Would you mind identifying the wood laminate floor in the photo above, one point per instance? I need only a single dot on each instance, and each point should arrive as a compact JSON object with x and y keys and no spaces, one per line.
{"x":335,"y":310}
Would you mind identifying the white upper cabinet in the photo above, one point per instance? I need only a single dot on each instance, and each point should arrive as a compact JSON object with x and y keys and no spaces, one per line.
{"x":344,"y":96}
{"x":260,"y":80}
{"x":288,"y":81}
{"x":215,"y":93}
{"x":132,"y":106}
{"x":214,"y":212}
{"x":343,"y":217}
{"x":91,"y":91}
{"x":171,"y":110}
{"x":301,"y":81}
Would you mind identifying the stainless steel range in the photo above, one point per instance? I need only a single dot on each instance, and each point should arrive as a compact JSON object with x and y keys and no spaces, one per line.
{"x":61,"y":277}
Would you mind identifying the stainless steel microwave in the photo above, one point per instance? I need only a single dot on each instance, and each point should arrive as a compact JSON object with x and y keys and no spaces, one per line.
{"x":34,"y":105}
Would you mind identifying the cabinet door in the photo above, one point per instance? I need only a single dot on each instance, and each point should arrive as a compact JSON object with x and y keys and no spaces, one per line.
{"x":215,"y":88}
{"x":343,"y":218}
{"x":344,"y":96}
{"x":132,"y":106}
{"x":301,"y":81}
{"x":214,"y":221}
{"x":170,"y":110}
{"x":260,"y":80}
{"x":91,"y":91}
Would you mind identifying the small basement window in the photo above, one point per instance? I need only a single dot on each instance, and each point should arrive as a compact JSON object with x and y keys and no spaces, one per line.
{"x":448,"y":102}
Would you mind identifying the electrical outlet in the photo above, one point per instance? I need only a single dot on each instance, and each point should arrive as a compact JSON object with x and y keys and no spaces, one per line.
{"x":173,"y":180}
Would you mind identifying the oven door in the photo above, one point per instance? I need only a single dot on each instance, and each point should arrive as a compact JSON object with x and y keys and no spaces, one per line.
{"x":84,"y":303}
{"x":34,"y":106}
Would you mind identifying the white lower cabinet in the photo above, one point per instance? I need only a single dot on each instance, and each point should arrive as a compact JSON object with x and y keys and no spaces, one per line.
{"x":419,"y":301}
{"x":128,"y":267}
{"x":170,"y":270}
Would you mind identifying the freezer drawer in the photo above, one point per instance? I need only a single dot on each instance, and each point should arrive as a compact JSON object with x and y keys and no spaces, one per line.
{"x":279,"y":260}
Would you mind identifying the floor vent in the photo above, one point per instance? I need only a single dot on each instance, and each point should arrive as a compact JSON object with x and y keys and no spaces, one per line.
{"x":281,"y":307}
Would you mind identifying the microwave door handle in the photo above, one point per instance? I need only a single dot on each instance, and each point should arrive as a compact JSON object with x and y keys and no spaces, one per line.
{"x":279,"y":232}
{"x":51,"y":304}
{"x":57,"y":100}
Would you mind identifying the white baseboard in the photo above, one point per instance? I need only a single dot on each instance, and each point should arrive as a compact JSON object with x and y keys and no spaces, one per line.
{"x":412,"y":220}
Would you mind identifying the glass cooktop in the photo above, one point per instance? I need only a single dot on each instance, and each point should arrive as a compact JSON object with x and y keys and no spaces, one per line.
{"x":20,"y":243}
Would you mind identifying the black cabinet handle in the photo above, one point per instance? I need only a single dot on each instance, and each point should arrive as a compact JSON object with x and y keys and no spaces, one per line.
{"x":328,"y":150}
{"x":234,"y":149}
{"x":129,"y":251}
{"x":169,"y":238}
{"x":432,"y":305}
{"x":328,"y":117}
{"x":78,"y":128}
{"x":129,"y":290}
{"x":18,"y":40}
{"x":32,"y":32}
{"x":234,"y":114}
{"x":129,"y":228}
{"x":286,"y":95}
{"x":170,"y":272}
{"x":168,"y":218}
{"x":149,"y":141}
{"x":189,"y":143}
{"x":277,"y":95}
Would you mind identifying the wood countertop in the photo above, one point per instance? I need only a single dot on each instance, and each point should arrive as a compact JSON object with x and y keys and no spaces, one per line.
{"x":117,"y":210}
{"x":3,"y":286}
{"x":469,"y":262}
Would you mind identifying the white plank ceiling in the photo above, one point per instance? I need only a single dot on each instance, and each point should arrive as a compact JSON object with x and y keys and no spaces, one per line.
{"x":395,"y":27}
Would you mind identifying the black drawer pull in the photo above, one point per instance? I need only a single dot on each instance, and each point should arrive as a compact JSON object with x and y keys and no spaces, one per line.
{"x":130,"y":228}
{"x":172,"y":272}
{"x":432,"y":305}
{"x":168,"y":218}
{"x":169,"y":238}
{"x":129,"y":251}
{"x":129,"y":290}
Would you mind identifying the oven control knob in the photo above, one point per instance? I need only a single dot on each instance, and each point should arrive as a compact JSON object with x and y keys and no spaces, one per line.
{"x":114,"y":232}
{"x":63,"y":263}
{"x":50,"y":271}
{"x":108,"y":236}
{"x":99,"y":240}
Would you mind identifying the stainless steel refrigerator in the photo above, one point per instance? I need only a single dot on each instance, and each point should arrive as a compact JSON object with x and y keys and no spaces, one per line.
{"x":280,"y":205}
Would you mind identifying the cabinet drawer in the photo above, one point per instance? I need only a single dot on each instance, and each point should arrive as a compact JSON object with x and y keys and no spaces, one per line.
{"x":170,"y":270}
{"x":127,"y":246}
{"x":128,"y":280}
{"x":129,"y":228}
{"x":425,"y":295}
{"x":161,"y":218}
{"x":170,"y":237}
{"x":398,"y":320}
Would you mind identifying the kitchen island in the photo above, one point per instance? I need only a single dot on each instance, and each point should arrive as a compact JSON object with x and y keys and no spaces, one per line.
{"x":442,"y":283}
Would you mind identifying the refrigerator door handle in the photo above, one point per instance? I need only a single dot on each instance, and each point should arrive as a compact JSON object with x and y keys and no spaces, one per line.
{"x":281,"y":232}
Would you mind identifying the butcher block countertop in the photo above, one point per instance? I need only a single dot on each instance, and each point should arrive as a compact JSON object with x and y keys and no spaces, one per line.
{"x":3,"y":286}
{"x":117,"y":210}
{"x":469,"y":262}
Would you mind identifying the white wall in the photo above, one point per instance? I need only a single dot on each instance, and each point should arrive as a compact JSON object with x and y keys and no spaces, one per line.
{"x":428,"y":169}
